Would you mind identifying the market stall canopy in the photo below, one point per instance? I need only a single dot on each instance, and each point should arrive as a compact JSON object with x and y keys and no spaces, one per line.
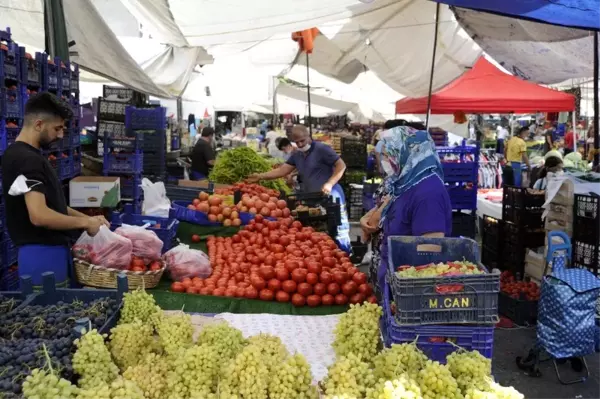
{"x":533,"y":51}
{"x":486,"y":89}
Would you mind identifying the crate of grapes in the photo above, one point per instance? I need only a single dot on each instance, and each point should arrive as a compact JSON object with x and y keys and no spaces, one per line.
{"x":441,"y":281}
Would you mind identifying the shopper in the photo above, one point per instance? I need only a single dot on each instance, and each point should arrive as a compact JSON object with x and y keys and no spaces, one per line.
{"x":516,"y":154}
{"x":549,"y":140}
{"x":501,"y":135}
{"x":552,"y":165}
{"x":285,"y":146}
{"x":319,"y":170}
{"x":38,"y":220}
{"x":569,"y":142}
{"x":203,"y":155}
{"x":419,"y":204}
{"x":271,"y":140}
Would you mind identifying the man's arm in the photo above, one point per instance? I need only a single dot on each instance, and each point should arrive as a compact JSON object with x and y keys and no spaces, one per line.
{"x":526,"y":159}
{"x":283,"y":170}
{"x":74,"y":213}
{"x":338,"y":171}
{"x":42,"y":216}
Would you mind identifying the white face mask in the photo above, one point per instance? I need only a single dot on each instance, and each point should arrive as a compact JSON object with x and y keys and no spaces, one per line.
{"x":20,"y":186}
{"x":305,"y":148}
{"x":387,"y":167}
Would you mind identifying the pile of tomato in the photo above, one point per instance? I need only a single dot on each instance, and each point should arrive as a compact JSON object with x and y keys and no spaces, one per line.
{"x":525,"y":290}
{"x":139,"y":265}
{"x":282,"y":261}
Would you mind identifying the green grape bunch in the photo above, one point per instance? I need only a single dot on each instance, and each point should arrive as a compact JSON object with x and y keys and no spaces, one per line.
{"x":150,"y":375}
{"x":227,"y":341}
{"x":349,"y":377}
{"x":400,"y":387}
{"x":140,"y":305}
{"x":92,"y":361}
{"x":246,"y":376}
{"x":357,"y":331}
{"x":130,"y":342}
{"x":470,"y":369}
{"x":125,"y":389}
{"x":273,"y":350}
{"x":194,"y":371}
{"x":175,"y":332}
{"x":398,"y":359}
{"x":292,"y":379}
{"x":44,"y":384}
{"x":493,"y":391}
{"x":436,"y":382}
{"x":100,"y":391}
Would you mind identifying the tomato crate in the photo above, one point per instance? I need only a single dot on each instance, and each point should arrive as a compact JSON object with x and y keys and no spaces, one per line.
{"x":31,"y":68}
{"x":123,"y":163}
{"x":586,"y":220}
{"x":9,"y":278}
{"x":436,"y":341}
{"x":463,"y":299}
{"x":522,"y":206}
{"x":50,"y":79}
{"x":9,"y":57}
{"x":11,"y":102}
{"x":520,"y":311}
{"x":165,"y":228}
{"x":180,"y":193}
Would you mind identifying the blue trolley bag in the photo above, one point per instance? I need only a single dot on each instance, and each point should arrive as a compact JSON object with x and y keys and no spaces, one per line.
{"x":566,"y":326}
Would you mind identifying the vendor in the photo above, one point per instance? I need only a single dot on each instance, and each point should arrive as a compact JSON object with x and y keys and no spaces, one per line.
{"x":38,"y":220}
{"x":418,"y":203}
{"x":319,"y":169}
{"x":203,"y":155}
{"x":516,"y":154}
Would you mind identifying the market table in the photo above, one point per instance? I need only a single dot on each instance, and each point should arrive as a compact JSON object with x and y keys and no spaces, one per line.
{"x":490,"y":204}
{"x":169,"y":300}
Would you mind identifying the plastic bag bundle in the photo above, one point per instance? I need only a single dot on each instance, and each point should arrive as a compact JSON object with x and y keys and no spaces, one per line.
{"x":183,"y":261}
{"x":156,"y":202}
{"x":105,"y":249}
{"x":146,"y":243}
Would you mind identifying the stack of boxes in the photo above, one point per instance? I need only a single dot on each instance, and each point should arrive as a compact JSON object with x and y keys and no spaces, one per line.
{"x":22,"y":75}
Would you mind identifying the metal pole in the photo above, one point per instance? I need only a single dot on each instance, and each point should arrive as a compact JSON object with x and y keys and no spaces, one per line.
{"x":574,"y":130}
{"x":50,"y":33}
{"x":437,"y":18}
{"x":308,"y":94}
{"x":596,"y":100}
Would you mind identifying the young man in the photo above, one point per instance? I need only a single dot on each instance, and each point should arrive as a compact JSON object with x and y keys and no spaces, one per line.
{"x":516,"y":154}
{"x":38,"y":219}
{"x":203,"y":155}
{"x":285,"y":146}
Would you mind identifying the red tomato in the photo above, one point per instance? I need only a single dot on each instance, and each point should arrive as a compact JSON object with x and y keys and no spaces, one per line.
{"x":282,"y":274}
{"x":349,"y":288}
{"x":258,"y":283}
{"x":320,"y":289}
{"x":299,"y":275}
{"x":305,"y":289}
{"x":372,"y":299}
{"x":327,"y":300}
{"x":341,"y":299}
{"x":195,"y":238}
{"x":266,"y":295}
{"x":289,"y":286}
{"x":357,"y":298}
{"x":282,"y":296}
{"x":219,"y":291}
{"x":177,"y":287}
{"x":312,"y":278}
{"x":313,"y":267}
{"x":351,"y":270}
{"x":325,"y":278}
{"x":274,"y":285}
{"x":297,"y":225}
{"x":359,"y":278}
{"x":155,"y":266}
{"x":240,"y":292}
{"x":267,"y":272}
{"x":365,"y":289}
{"x":340,"y":277}
{"x":259,"y":218}
{"x":291,"y":265}
{"x":251,"y":293}
{"x":333,"y":288}
{"x":191,"y":290}
{"x":328,"y":261}
{"x":298,"y":300}
{"x":284,"y":240}
{"x":313,"y":300}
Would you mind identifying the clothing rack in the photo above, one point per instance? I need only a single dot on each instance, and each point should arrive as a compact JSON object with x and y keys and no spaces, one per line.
{"x":490,"y":170}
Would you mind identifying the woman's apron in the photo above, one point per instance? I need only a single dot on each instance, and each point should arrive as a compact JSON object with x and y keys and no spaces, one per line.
{"x":343,"y":231}
{"x":34,"y":260}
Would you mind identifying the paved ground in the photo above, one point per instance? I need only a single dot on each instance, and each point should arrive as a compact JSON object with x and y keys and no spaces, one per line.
{"x":510,"y":343}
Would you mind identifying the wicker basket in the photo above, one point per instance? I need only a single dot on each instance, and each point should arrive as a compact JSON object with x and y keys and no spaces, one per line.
{"x":102,"y":277}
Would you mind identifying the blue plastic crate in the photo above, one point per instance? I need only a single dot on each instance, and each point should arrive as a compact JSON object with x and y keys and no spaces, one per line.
{"x":165,"y":228}
{"x":74,"y":76}
{"x":64,"y":77}
{"x":464,"y":166}
{"x":50,"y":73}
{"x":11,"y":105}
{"x":66,"y":168}
{"x":179,"y":193}
{"x":55,"y":163}
{"x":123,"y":163}
{"x":437,"y":341}
{"x":146,"y":118}
{"x":9,"y":278}
{"x":74,"y":138}
{"x":462,"y":195}
{"x":192,"y":216}
{"x":9,"y":57}
{"x":76,"y":162}
{"x":175,"y":143}
{"x":464,"y":299}
{"x":131,"y":187}
{"x":9,"y":251}
{"x":31,"y":69}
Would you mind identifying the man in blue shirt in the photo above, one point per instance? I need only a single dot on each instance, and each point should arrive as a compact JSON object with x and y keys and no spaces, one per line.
{"x":319,"y":169}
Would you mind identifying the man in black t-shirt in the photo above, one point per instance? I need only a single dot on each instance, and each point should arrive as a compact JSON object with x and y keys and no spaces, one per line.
{"x":203,"y":155}
{"x":38,"y":219}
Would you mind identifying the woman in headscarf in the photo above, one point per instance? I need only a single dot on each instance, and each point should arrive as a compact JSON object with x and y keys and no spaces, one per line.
{"x":418,"y":203}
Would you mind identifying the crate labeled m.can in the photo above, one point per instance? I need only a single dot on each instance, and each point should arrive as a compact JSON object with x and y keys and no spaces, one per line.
{"x":450,"y":299}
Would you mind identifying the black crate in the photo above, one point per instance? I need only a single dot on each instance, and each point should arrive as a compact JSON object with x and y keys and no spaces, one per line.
{"x":516,"y":240}
{"x":111,"y":110}
{"x":586,"y":222}
{"x":463,"y":224}
{"x":492,"y":233}
{"x":522,"y":206}
{"x":587,"y":256}
{"x":520,"y":311}
{"x":125,"y":94}
{"x":359,"y":249}
{"x":328,"y":222}
{"x":354,"y":152}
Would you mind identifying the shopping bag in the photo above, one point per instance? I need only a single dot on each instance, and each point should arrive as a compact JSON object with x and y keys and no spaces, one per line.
{"x":156,"y":202}
{"x":104,"y":249}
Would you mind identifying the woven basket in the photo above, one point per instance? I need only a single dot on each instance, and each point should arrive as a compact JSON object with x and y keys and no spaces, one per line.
{"x":102,"y":277}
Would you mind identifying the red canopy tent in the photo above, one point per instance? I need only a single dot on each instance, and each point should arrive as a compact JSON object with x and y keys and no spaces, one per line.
{"x":486,"y":89}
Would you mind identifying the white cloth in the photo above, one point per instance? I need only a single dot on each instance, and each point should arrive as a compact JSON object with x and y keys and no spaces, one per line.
{"x":502,"y":133}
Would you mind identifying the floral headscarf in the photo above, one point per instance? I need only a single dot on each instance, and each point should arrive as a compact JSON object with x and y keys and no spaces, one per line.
{"x":413,"y":157}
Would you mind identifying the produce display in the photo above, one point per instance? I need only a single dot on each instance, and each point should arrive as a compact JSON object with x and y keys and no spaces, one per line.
{"x":446,"y":269}
{"x":247,"y":188}
{"x":267,"y":206}
{"x":282,"y":261}
{"x":524,"y":290}
{"x":215,"y":209}
{"x":236,"y":164}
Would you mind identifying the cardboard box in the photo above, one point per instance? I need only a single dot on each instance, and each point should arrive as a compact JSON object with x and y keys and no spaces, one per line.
{"x":535,"y":264}
{"x":94,"y":192}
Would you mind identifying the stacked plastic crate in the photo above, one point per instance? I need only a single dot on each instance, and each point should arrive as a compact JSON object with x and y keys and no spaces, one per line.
{"x":586,"y":233}
{"x":439,"y":313}
{"x":461,"y":169}
{"x":149,"y":126}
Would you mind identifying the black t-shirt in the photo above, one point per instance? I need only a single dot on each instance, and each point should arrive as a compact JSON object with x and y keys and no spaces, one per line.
{"x":23,"y":159}
{"x":201,"y":154}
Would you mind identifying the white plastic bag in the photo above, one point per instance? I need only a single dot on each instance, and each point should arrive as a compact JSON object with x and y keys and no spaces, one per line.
{"x":156,"y":202}
{"x":146,"y":243}
{"x":105,"y":249}
{"x":183,"y":261}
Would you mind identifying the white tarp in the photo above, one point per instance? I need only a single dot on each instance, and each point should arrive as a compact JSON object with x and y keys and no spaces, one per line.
{"x":533,"y":51}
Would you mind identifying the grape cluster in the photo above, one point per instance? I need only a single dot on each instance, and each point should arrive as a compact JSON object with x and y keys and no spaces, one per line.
{"x":348,"y":377}
{"x":436,"y":382}
{"x":271,"y":347}
{"x":194,"y":372}
{"x":292,"y":379}
{"x":400,"y":387}
{"x":398,"y":359}
{"x":8,"y":304}
{"x":470,"y":369}
{"x":140,"y":305}
{"x":175,"y":332}
{"x":100,"y":391}
{"x":125,"y":389}
{"x":150,"y":375}
{"x":43,"y":384}
{"x":54,"y":321}
{"x":92,"y":361}
{"x":227,"y":341}
{"x":246,"y":376}
{"x":357,"y":331}
{"x":130,"y":342}
{"x":494,"y":391}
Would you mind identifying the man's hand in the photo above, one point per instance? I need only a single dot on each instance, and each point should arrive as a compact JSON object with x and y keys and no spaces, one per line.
{"x":93,"y":226}
{"x":103,"y":220}
{"x":327,"y":187}
{"x":253,"y":178}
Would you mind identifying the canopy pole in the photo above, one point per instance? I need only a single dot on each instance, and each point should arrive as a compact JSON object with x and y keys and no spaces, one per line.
{"x":596,"y":100}
{"x":574,"y":130}
{"x":435,"y":38}
{"x":308,"y":94}
{"x":49,"y":19}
